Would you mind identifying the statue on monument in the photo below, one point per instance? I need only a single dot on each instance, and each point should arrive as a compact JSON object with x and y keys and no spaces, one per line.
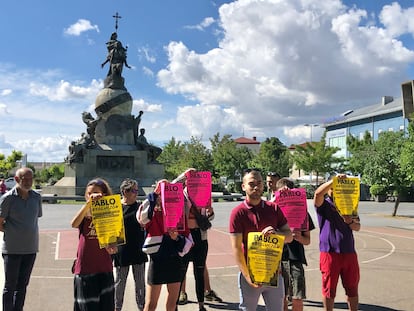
{"x":116,"y":56}
{"x":142,"y":144}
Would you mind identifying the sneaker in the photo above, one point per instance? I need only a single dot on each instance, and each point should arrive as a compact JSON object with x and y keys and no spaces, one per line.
{"x":182,"y":300}
{"x":212,"y":296}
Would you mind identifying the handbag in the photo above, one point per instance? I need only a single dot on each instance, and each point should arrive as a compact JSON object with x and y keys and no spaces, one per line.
{"x":202,"y":220}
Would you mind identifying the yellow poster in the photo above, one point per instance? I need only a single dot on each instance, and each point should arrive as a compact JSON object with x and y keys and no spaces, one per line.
{"x":263,"y":257}
{"x":108,"y":220}
{"x":346,"y":194}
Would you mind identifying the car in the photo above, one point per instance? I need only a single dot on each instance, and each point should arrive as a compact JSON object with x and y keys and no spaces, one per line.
{"x":9,"y":182}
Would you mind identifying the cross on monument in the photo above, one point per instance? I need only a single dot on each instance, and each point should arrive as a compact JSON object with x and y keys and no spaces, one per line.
{"x":116,"y":16}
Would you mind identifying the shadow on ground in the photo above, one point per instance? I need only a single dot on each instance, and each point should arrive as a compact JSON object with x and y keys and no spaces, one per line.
{"x":344,"y":306}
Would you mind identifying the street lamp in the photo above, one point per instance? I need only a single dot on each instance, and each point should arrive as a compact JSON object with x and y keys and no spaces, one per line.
{"x":311,"y":127}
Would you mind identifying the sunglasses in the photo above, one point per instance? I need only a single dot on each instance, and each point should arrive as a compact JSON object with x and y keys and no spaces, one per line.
{"x":273,"y":174}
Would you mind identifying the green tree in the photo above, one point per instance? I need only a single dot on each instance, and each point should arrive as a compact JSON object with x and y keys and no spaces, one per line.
{"x":273,"y":156}
{"x":360,"y":151}
{"x":384,"y":165}
{"x":407,"y":152}
{"x":177,"y":156}
{"x":171,"y":157}
{"x":228,"y":159}
{"x":9,"y":163}
{"x":196,"y":155}
{"x":317,"y":157}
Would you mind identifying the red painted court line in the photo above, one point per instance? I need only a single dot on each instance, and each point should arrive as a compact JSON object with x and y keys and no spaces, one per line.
{"x":68,"y":243}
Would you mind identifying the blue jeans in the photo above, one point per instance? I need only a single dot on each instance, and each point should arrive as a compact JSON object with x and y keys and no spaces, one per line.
{"x":17,"y":269}
{"x":272,"y":296}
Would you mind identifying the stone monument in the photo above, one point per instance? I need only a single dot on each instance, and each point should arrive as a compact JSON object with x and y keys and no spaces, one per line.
{"x":114,"y":146}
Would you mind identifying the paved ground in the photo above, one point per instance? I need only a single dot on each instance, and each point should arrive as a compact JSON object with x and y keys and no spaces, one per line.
{"x":385,"y":248}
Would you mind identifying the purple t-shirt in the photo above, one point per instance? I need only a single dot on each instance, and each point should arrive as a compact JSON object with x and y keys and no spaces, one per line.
{"x":335,"y":235}
{"x":245,"y":218}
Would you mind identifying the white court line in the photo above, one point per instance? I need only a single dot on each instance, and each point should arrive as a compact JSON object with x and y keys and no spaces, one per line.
{"x":383,"y":256}
{"x":57,"y":246}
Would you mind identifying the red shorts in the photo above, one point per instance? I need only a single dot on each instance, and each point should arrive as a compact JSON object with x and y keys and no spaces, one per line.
{"x":333,"y":265}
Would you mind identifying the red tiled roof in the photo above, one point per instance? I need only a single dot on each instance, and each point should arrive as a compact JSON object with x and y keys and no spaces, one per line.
{"x":245,"y":141}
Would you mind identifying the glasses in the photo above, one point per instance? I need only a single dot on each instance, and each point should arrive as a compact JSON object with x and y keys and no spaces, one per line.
{"x":133,"y":191}
{"x":273,"y":174}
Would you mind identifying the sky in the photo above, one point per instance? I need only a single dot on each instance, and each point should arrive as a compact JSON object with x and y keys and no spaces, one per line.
{"x":252,"y":68}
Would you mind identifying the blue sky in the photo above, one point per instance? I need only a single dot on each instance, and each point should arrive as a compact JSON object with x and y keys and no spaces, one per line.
{"x":246,"y":68}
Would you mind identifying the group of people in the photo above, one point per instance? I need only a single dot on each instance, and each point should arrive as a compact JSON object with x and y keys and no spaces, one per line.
{"x":338,"y":258}
{"x":171,"y":249}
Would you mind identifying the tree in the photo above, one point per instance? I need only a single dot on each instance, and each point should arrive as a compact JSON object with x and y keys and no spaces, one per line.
{"x":273,"y":156}
{"x":228,"y":159}
{"x":384,"y":165}
{"x":171,"y":156}
{"x":407,"y":159}
{"x":196,"y":155}
{"x":7,"y":164}
{"x":316,"y":157}
{"x":178,"y":156}
{"x":360,"y":151}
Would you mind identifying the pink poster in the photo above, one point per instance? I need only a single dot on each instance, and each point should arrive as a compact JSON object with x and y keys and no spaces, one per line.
{"x":173,"y":206}
{"x":294,"y":206}
{"x":199,"y":188}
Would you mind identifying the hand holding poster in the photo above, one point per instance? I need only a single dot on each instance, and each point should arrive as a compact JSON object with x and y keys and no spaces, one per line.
{"x":108,"y":220}
{"x":346,"y":194}
{"x":173,"y":206}
{"x":294,"y":206}
{"x":199,"y":188}
{"x":263,"y":257}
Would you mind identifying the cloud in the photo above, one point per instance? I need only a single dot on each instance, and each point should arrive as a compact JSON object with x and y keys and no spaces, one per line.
{"x":82,"y":25}
{"x":5,"y":92}
{"x":141,"y":104}
{"x":283,"y":63}
{"x":208,"y":21}
{"x":64,"y":90}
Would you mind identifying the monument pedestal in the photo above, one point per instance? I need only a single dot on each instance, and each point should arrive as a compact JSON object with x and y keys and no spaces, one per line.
{"x":114,"y":164}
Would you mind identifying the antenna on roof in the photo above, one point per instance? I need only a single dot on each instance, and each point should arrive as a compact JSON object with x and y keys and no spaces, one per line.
{"x":347,"y":112}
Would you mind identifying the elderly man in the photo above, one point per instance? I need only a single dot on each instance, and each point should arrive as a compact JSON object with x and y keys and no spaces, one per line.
{"x":19,"y":211}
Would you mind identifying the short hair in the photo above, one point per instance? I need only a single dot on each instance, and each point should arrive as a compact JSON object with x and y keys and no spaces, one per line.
{"x":127,"y":184}
{"x":101,"y":183}
{"x":285,"y":182}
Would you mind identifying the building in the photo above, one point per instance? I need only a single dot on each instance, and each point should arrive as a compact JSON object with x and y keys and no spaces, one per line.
{"x":250,"y":143}
{"x":387,"y":115}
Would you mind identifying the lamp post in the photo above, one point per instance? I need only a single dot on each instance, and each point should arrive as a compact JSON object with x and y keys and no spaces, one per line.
{"x":311,"y":129}
{"x":311,"y":132}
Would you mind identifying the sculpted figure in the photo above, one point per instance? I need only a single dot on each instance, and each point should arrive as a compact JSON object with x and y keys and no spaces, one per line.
{"x":116,"y":56}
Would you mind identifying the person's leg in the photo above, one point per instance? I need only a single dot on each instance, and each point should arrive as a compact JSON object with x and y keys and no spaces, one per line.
{"x":199,"y":264}
{"x":329,"y":265}
{"x":152,"y":296}
{"x":182,"y":298}
{"x":286,"y":281}
{"x":26,"y":267}
{"x":209,"y":294}
{"x":350,"y":279}
{"x":138,"y":271}
{"x":249,"y":296}
{"x":120,"y":283}
{"x":105,"y":283}
{"x":297,"y":277}
{"x":274,"y":296}
{"x":11,"y":271}
{"x":173,"y":291}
